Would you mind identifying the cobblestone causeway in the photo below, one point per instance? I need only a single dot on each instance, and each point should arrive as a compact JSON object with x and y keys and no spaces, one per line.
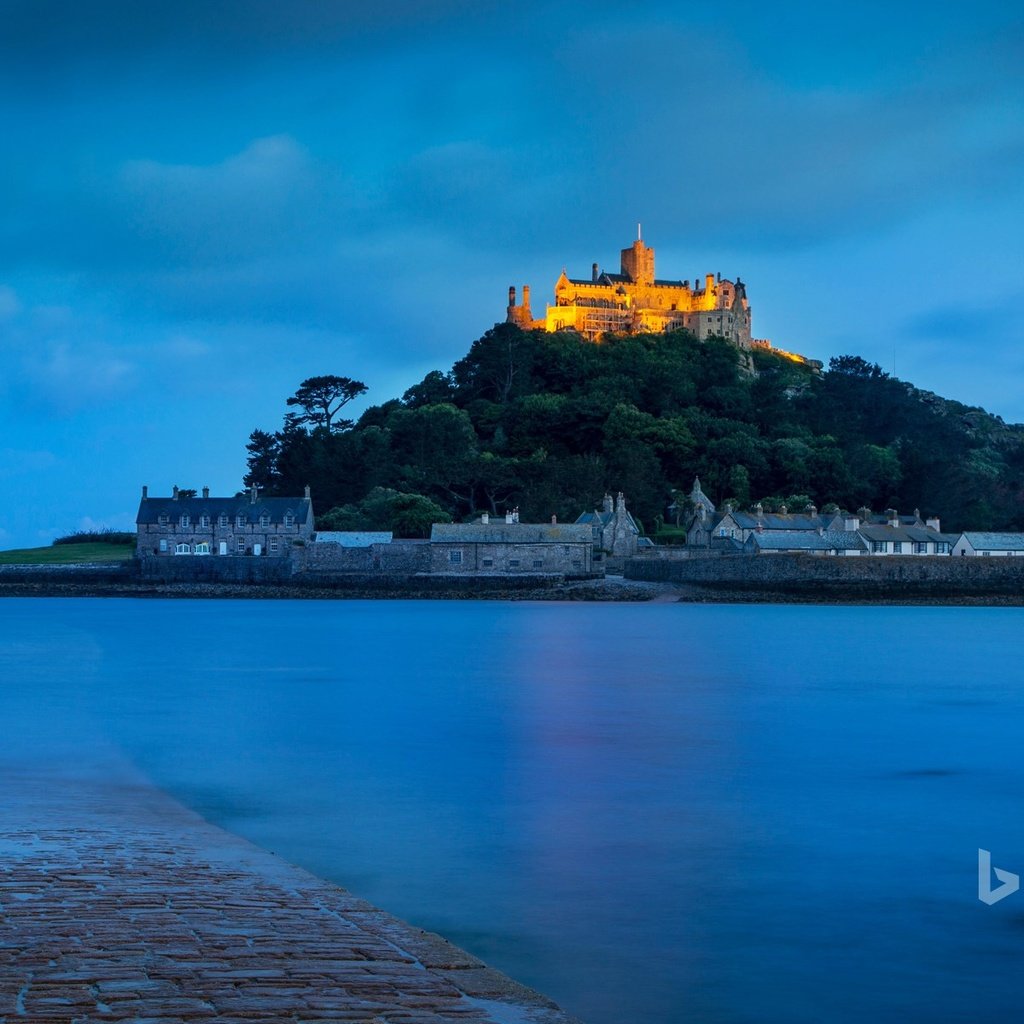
{"x":118,"y":904}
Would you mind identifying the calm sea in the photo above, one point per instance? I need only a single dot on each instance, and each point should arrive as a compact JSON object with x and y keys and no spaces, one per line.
{"x":653,"y":813}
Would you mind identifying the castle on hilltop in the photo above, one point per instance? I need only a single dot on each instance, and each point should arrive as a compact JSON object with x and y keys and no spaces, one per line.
{"x":634,"y":301}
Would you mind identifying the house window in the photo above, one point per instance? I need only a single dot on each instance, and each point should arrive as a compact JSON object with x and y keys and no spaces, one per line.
{"x":513,"y":563}
{"x":577,"y":564}
{"x":202,"y":548}
{"x":921,"y":548}
{"x":222,"y":521}
{"x":182,"y":549}
{"x":163,"y":519}
{"x":185,"y":522}
{"x":897,"y":547}
{"x":239,"y":522}
{"x":487,"y":562}
{"x":878,"y":547}
{"x":538,"y":563}
{"x":273,"y":545}
{"x":163,"y":545}
{"x":204,"y":522}
{"x":264,"y":521}
{"x":941,"y":548}
{"x":241,"y":545}
{"x":289,"y":520}
{"x":455,"y":557}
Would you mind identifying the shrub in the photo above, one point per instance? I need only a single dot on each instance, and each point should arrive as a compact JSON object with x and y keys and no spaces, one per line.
{"x":98,"y":537}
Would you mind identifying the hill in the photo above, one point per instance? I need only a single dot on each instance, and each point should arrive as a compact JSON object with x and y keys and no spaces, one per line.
{"x":550,"y":422}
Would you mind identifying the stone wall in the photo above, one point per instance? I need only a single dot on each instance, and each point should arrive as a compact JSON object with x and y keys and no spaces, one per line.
{"x":896,"y":574}
{"x":215,"y":569}
{"x":400,"y":557}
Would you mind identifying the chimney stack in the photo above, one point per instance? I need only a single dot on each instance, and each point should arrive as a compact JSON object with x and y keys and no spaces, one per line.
{"x":620,"y":502}
{"x":526,"y":296}
{"x":607,"y":504}
{"x":893,"y":516}
{"x":511,"y":296}
{"x":252,"y":495}
{"x":594,"y":275}
{"x":485,"y":519}
{"x":554,"y":520}
{"x":145,"y":491}
{"x":932,"y":522}
{"x":206,"y":492}
{"x":515,"y":514}
{"x":851,"y":523}
{"x":306,"y":494}
{"x":508,"y":518}
{"x":174,"y":493}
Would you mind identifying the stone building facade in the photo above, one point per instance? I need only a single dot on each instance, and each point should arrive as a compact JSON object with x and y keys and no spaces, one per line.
{"x":614,"y":529}
{"x":243,"y":525}
{"x":512,"y":548}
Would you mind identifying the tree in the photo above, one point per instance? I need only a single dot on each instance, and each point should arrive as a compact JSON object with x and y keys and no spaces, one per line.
{"x":321,"y":397}
{"x":263,"y":449}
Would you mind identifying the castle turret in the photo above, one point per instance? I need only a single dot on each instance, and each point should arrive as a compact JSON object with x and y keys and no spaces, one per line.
{"x":638,"y":263}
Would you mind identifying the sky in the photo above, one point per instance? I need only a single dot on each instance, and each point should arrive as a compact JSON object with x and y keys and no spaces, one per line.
{"x":205,"y":203}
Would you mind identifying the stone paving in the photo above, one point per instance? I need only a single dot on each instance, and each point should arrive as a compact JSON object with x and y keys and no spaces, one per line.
{"x":118,"y":904}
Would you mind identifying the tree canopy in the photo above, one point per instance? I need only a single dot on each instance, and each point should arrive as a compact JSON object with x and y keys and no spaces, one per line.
{"x":550,"y":422}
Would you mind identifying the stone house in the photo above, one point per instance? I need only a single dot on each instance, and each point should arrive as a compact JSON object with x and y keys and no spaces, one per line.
{"x":614,"y":529}
{"x":990,"y":545}
{"x":809,"y":542}
{"x":510,"y":547}
{"x":244,"y":525}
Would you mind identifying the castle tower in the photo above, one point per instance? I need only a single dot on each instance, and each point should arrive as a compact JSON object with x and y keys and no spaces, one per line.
{"x":638,"y":263}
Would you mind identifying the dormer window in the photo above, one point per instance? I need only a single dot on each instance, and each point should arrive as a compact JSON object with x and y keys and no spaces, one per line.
{"x":239,"y":522}
{"x":204,"y":522}
{"x":289,"y":519}
{"x":223,"y":521}
{"x":186,"y":522}
{"x":264,"y":521}
{"x":163,"y":519}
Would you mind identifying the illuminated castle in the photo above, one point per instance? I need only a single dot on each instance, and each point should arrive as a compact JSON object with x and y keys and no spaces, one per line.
{"x":634,"y":301}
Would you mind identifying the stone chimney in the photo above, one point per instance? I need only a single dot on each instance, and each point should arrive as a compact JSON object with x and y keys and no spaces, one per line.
{"x":620,"y":502}
{"x":145,"y":491}
{"x":607,"y":504}
{"x":728,"y":508}
{"x":554,"y":520}
{"x":783,"y":510}
{"x":851,"y":523}
{"x":759,"y":510}
{"x":864,"y":512}
{"x":515,"y":514}
{"x":811,"y":509}
{"x":594,"y":273}
{"x":508,"y":518}
{"x":306,"y":493}
{"x":174,"y":493}
{"x":893,"y":516}
{"x":485,"y":519}
{"x":932,"y":522}
{"x":206,"y":492}
{"x":253,"y":494}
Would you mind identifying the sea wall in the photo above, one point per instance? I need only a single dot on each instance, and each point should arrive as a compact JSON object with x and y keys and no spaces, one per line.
{"x":793,"y":573}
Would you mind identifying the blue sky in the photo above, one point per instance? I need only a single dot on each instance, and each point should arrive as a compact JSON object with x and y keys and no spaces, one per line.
{"x":205,"y":203}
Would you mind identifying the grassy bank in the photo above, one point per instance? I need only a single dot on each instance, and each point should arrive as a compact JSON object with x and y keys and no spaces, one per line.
{"x":68,"y":554}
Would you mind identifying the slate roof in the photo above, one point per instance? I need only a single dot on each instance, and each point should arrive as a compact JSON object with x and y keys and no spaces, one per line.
{"x":511,"y":533}
{"x":775,"y":521}
{"x":808,"y":540}
{"x":911,"y":534}
{"x":353,"y":538}
{"x":995,"y":541}
{"x":150,"y":509}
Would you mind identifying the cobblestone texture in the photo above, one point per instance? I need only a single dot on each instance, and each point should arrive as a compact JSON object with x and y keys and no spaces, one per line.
{"x":118,"y":904}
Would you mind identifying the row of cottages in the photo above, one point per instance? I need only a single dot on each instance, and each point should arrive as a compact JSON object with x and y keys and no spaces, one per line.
{"x":812,"y":532}
{"x":243,"y":525}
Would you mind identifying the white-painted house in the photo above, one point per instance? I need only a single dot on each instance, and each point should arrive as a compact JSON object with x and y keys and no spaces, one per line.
{"x":990,"y":544}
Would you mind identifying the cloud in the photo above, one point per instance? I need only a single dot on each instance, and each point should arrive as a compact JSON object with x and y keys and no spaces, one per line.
{"x":73,"y":376}
{"x":10,"y":306}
